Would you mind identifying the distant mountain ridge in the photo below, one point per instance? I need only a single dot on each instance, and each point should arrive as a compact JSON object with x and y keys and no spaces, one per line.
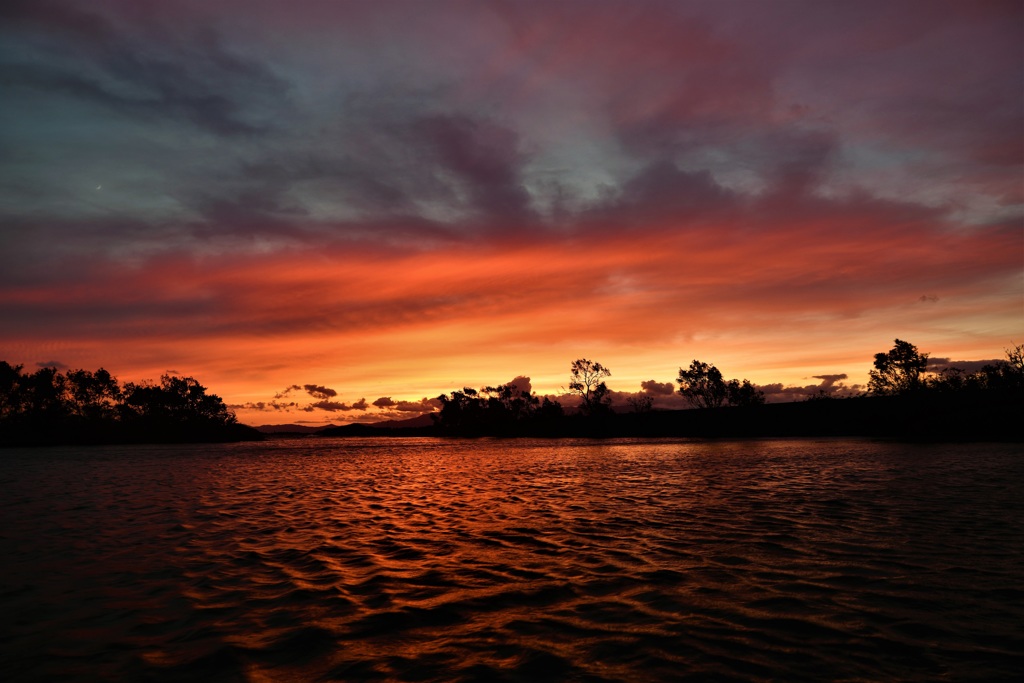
{"x":409,"y":423}
{"x":291,"y":429}
{"x":418,"y":421}
{"x":414,"y":426}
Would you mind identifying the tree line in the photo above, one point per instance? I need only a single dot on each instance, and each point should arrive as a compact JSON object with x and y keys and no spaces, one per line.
{"x":80,"y":406}
{"x":508,"y":410}
{"x":900,"y":373}
{"x":903,"y":370}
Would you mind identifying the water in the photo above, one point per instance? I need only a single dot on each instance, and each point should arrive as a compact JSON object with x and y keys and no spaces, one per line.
{"x":421,"y":560}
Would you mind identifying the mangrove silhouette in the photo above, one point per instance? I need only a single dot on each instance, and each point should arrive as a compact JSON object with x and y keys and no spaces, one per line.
{"x":48,"y":407}
{"x":904,"y":400}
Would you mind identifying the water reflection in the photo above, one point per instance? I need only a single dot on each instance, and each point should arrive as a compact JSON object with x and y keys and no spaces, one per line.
{"x":507,"y":560}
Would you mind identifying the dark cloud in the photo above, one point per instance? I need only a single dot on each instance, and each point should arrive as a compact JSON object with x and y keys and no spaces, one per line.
{"x":523,"y":384}
{"x":324,"y":405}
{"x":937,"y":365}
{"x":656,"y":388}
{"x":690,"y":95}
{"x":284,"y":392}
{"x":262,"y":406}
{"x":831,"y":385}
{"x":256,"y":210}
{"x":372,"y":184}
{"x":663,"y":189}
{"x":317,"y":391}
{"x":424,"y":405}
{"x":800,"y":159}
{"x":58,"y":16}
{"x":142,"y":69}
{"x":484,"y":156}
{"x":332,"y":406}
{"x":52,"y":364}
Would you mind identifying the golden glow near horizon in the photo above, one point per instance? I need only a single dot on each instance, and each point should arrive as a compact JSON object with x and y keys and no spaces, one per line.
{"x":439,"y":320}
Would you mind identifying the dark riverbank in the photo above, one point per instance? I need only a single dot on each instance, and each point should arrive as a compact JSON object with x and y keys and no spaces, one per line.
{"x":72,"y":433}
{"x":927,"y":417}
{"x":78,"y":407}
{"x":924,"y":418}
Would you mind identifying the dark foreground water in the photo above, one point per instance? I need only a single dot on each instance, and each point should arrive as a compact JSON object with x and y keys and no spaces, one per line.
{"x":420,"y":560}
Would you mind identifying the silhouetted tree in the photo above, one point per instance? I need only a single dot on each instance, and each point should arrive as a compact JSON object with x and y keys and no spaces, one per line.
{"x":1005,"y":377}
{"x":899,"y":370}
{"x":49,"y":407}
{"x":744,"y":394}
{"x":586,"y":379}
{"x":641,"y":403}
{"x":175,"y":400}
{"x":1002,"y":380}
{"x":461,"y":411}
{"x":820,"y":395}
{"x":1015,"y":359}
{"x":92,"y":395}
{"x":504,"y":410}
{"x":957,"y":380}
{"x":43,"y":396}
{"x":10,"y":390}
{"x":702,"y":385}
{"x":508,"y":399}
{"x":550,"y":411}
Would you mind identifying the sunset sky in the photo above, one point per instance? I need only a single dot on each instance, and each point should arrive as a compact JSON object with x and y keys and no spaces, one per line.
{"x":329,"y":211}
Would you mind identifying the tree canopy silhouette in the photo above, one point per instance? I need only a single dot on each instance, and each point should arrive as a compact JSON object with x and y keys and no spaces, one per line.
{"x":744,"y":394}
{"x":641,"y":403}
{"x":176,"y":400}
{"x":504,"y":410}
{"x":586,"y":379}
{"x":80,"y":406}
{"x":702,"y":385}
{"x":899,"y":370}
{"x":1004,"y":378}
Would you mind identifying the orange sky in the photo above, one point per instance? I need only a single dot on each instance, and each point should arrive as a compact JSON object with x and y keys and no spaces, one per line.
{"x":394,"y":204}
{"x":417,"y":323}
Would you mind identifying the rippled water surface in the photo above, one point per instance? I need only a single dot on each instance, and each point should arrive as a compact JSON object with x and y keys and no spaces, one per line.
{"x":423,"y":559}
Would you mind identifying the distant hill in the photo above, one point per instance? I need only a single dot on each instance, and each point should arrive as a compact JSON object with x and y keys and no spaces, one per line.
{"x":419,"y":421}
{"x":291,"y":429}
{"x":414,"y":426}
